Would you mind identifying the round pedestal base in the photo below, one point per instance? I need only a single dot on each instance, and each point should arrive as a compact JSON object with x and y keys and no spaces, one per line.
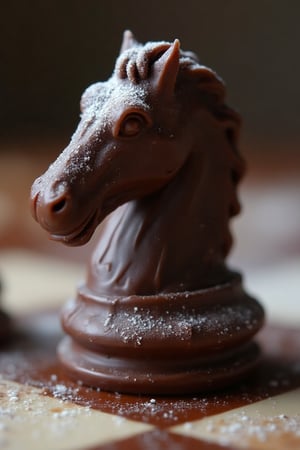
{"x":177,"y":343}
{"x":151,"y":377}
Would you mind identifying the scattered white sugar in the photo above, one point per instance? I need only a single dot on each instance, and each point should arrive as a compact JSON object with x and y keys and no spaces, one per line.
{"x":64,"y":393}
{"x":160,"y":408}
{"x":133,"y":325}
{"x":247,"y":430}
{"x":244,"y":418}
{"x":118,"y":420}
{"x":108,"y":320}
{"x":24,"y":410}
{"x":59,"y":389}
{"x":64,"y":413}
{"x":283,"y":416}
{"x":13,"y":395}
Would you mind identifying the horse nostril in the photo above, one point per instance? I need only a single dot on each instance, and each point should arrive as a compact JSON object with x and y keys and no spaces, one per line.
{"x":59,"y":205}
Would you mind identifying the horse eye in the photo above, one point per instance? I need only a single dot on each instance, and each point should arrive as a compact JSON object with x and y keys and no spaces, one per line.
{"x":131,"y":126}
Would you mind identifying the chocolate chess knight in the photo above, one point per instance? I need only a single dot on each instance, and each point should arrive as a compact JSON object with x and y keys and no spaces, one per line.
{"x":154,"y":162}
{"x":5,"y":322}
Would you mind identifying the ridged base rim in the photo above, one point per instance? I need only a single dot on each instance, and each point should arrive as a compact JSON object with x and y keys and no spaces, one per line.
{"x":132,"y":377}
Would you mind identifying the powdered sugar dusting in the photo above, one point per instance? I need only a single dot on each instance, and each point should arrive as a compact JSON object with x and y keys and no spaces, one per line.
{"x":30,"y":419}
{"x":102,"y":107}
{"x":103,"y":102}
{"x":25,"y":409}
{"x":277,"y":432}
{"x":135,"y":325}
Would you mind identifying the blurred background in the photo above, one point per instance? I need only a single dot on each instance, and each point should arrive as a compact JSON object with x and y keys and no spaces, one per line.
{"x":51,"y":50}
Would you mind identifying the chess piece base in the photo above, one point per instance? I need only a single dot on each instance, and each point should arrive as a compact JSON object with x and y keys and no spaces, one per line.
{"x":166,"y":344}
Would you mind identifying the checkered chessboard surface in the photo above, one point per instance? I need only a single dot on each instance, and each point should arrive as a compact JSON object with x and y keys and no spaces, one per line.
{"x":41,"y":409}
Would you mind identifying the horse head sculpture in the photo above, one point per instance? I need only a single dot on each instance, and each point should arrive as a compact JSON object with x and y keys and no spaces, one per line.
{"x":155,"y":155}
{"x":159,"y":137}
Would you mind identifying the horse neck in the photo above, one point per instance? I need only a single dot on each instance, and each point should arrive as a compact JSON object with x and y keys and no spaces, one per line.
{"x":191,"y":215}
{"x":172,"y":240}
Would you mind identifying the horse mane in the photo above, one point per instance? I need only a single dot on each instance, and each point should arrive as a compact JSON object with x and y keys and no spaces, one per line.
{"x":135,"y":64}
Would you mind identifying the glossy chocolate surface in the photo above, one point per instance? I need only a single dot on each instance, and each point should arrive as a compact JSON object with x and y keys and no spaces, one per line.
{"x":154,"y":160}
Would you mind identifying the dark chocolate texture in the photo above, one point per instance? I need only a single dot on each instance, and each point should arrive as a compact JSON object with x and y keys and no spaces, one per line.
{"x":154,"y":160}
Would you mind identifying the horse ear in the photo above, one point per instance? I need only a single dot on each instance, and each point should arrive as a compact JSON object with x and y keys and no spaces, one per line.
{"x":165,"y":70}
{"x":129,"y":41}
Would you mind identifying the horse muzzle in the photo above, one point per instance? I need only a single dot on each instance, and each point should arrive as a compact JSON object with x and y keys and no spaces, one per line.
{"x":53,"y":207}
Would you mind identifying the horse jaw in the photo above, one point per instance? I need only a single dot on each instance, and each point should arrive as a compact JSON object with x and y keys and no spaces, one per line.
{"x":80,"y":235}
